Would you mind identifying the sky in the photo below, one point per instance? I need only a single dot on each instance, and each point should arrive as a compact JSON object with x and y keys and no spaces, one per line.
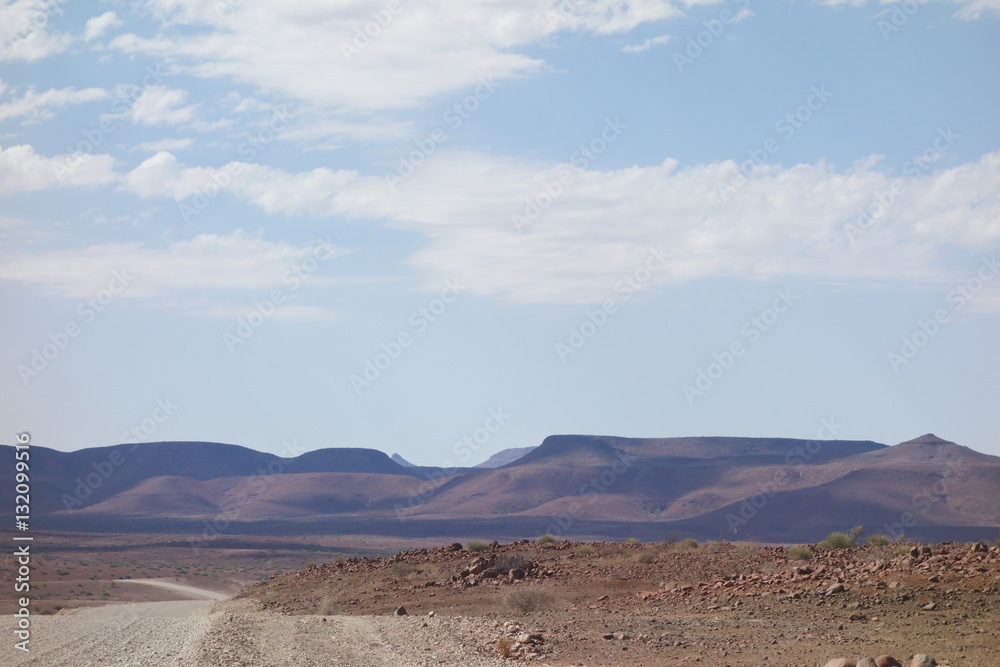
{"x":446,"y":229}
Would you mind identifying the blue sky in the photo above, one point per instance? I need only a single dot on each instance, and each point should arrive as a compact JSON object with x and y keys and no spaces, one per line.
{"x":249,"y":222}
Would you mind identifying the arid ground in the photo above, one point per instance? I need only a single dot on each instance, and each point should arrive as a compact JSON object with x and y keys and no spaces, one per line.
{"x":560,"y":603}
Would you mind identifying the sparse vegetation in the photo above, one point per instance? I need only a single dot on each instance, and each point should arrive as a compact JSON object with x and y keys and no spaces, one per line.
{"x":646,"y":558}
{"x":631,"y":540}
{"x":878,"y":540}
{"x":839,"y":540}
{"x":669,"y":539}
{"x":585,"y":549}
{"x":309,"y":565}
{"x":836,"y":540}
{"x":997,"y":544}
{"x":526,"y":600}
{"x":477,"y":545}
{"x":799,"y":553}
{"x":504,"y":647}
{"x":546,"y":539}
{"x":689,"y":543}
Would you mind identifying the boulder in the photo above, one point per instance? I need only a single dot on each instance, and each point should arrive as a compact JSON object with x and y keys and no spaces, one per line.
{"x":923,"y":660}
{"x":887,"y":661}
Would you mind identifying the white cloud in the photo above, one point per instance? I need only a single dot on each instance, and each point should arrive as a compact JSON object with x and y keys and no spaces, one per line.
{"x":237,"y":261}
{"x":652,"y":41}
{"x":97,"y":26}
{"x":159,"y":105}
{"x":23,"y":170}
{"x":37,"y":106}
{"x":784,"y":221}
{"x":24,"y":31}
{"x":425,"y":50}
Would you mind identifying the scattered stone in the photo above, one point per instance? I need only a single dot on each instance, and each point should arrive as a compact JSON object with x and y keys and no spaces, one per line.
{"x":836,"y":588}
{"x":400,"y":611}
{"x":887,"y":661}
{"x":923,"y":660}
{"x":930,"y":606}
{"x":841,"y":662}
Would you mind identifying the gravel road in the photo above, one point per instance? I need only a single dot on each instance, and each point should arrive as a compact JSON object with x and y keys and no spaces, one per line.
{"x":209,"y":633}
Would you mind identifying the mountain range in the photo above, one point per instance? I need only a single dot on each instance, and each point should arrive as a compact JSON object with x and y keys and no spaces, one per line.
{"x":579,"y":486}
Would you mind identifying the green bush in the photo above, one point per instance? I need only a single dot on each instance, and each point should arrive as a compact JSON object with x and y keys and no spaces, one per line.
{"x":585,"y":549}
{"x":837,"y":541}
{"x":799,"y":553}
{"x":477,"y":545}
{"x":878,"y":540}
{"x":631,"y":540}
{"x":646,"y":558}
{"x":546,"y":538}
{"x":689,"y":543}
{"x":997,"y":544}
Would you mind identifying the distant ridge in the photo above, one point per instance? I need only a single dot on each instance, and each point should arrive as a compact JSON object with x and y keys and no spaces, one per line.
{"x":773,"y":489}
{"x":506,"y":456}
{"x":401,"y":461}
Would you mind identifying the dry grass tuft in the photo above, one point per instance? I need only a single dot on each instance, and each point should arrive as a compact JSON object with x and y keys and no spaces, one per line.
{"x":526,"y":600}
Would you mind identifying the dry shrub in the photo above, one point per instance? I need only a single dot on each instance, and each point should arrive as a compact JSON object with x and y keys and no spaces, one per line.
{"x":526,"y":600}
{"x":878,"y":540}
{"x":500,"y":564}
{"x":585,"y":549}
{"x":504,"y":647}
{"x":799,"y":553}
{"x":646,"y":558}
{"x":476,"y":545}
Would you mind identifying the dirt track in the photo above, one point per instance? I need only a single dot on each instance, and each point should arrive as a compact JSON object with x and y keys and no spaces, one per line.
{"x":210,"y":633}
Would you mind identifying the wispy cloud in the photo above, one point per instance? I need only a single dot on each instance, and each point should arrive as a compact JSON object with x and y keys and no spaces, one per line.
{"x":97,"y":26}
{"x":235,"y":261}
{"x":646,"y":45}
{"x":35,"y":107}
